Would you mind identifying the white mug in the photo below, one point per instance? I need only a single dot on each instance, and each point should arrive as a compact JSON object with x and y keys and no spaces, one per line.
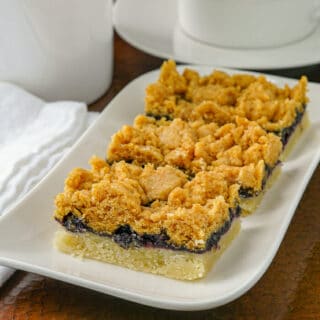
{"x":248,"y":23}
{"x":57,"y":49}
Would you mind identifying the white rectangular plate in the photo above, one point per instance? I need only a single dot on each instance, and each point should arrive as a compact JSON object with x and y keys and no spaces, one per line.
{"x":27,"y":231}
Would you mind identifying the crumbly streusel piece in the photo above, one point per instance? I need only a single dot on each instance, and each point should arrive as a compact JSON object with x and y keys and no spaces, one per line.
{"x":154,"y":141}
{"x":220,"y":97}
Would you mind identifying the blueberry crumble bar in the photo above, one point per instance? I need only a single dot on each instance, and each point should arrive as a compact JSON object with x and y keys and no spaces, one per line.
{"x":220,"y":98}
{"x":242,"y":151}
{"x":168,"y":196}
{"x":146,"y":218}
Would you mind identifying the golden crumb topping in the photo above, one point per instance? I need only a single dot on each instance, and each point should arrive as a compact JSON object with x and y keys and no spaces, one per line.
{"x":158,"y":183}
{"x":248,"y":177}
{"x":148,"y":199}
{"x":197,"y":146}
{"x":220,"y":97}
{"x":193,"y":226}
{"x":154,"y":141}
{"x":205,"y":185}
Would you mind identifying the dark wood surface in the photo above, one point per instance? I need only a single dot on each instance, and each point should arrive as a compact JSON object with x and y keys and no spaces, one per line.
{"x":290,"y":289}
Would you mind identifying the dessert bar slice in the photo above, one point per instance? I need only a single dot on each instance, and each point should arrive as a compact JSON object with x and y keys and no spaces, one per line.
{"x":242,"y":151}
{"x":220,"y":97}
{"x":146,"y":218}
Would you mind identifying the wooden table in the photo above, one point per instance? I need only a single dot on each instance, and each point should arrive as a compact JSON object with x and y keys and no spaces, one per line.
{"x":290,"y":289}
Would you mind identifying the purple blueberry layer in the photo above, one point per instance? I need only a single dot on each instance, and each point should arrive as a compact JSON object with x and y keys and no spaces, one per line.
{"x":125,"y":237}
{"x":286,"y":133}
{"x":159,"y":117}
{"x":249,"y":192}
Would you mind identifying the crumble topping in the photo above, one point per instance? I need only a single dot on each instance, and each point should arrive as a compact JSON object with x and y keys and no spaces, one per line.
{"x":205,"y":185}
{"x":198,"y":146}
{"x":109,"y":196}
{"x":220,"y":97}
{"x":152,"y":141}
{"x":158,"y":183}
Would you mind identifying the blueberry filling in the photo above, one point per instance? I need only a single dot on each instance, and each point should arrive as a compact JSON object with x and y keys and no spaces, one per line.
{"x":287,"y":132}
{"x":149,"y":203}
{"x":109,"y":162}
{"x":246,"y":193}
{"x":125,"y":237}
{"x":284,"y":136}
{"x":159,"y":116}
{"x":74,"y":224}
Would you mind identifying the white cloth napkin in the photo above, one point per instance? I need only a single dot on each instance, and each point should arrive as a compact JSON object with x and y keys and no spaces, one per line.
{"x":33,"y":136}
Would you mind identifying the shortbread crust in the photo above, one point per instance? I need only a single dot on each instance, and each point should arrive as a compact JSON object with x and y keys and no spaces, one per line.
{"x":180,"y":265}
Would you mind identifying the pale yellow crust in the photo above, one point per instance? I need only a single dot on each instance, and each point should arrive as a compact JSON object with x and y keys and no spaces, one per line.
{"x":249,"y":205}
{"x":305,"y":122}
{"x":180,"y":265}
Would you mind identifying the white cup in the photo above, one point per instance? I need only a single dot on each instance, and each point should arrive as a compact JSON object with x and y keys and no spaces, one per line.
{"x":248,"y":23}
{"x":57,"y":49}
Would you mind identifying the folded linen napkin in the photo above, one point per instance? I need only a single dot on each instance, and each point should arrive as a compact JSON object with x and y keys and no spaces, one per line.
{"x":33,"y":137}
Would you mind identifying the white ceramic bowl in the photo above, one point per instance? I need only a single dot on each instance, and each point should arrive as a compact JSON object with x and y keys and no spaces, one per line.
{"x":58,"y":50}
{"x":248,"y":23}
